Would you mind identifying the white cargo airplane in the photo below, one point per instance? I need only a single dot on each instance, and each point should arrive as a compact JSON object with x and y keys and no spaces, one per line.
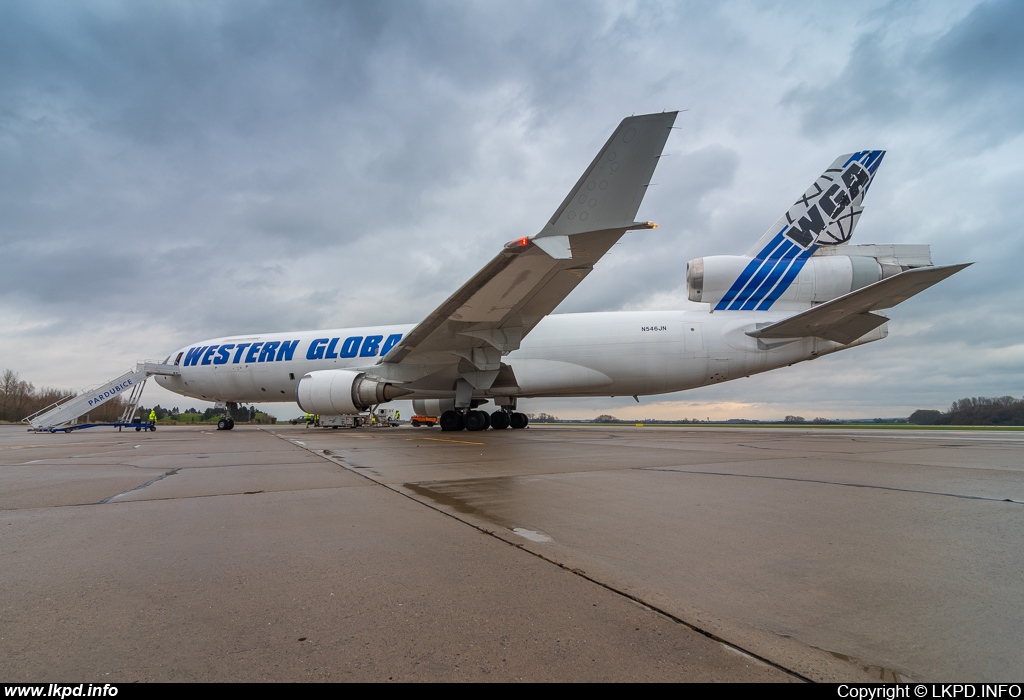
{"x":800,"y":292}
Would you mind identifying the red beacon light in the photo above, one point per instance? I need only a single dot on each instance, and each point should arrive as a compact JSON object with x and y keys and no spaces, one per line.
{"x":519,"y":242}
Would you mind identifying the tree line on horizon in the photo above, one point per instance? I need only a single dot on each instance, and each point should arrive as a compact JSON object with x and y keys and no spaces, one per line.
{"x":979,"y":410}
{"x":241,"y":414}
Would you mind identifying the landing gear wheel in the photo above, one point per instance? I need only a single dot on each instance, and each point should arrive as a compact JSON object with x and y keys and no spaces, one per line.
{"x":499,"y":420}
{"x":231,"y":423}
{"x":477,"y":420}
{"x":450,"y":420}
{"x":222,"y":424}
{"x":519,"y":421}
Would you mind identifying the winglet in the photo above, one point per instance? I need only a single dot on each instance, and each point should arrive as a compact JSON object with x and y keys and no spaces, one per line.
{"x":609,"y":193}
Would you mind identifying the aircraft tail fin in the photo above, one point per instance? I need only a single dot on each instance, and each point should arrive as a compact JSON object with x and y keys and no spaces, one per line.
{"x":828,"y":211}
{"x":609,"y":193}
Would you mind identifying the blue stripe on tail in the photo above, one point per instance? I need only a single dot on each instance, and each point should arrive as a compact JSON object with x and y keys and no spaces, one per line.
{"x":769,"y":282}
{"x":787,"y":279}
{"x":762,"y":271}
{"x":750,"y":269}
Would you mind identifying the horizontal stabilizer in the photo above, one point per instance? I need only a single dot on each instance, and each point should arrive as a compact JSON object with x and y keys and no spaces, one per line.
{"x":849,"y":317}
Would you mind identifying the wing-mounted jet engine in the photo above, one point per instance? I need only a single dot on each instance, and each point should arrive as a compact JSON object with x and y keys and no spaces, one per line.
{"x":338,"y":392}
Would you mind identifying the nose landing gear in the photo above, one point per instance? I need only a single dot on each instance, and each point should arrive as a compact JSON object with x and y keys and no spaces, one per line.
{"x":227,"y":422}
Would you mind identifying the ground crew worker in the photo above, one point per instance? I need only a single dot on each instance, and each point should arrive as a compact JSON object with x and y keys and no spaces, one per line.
{"x":152,"y":415}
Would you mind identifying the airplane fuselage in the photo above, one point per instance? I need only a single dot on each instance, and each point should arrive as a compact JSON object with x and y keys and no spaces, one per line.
{"x":801,"y":291}
{"x":590,"y":354}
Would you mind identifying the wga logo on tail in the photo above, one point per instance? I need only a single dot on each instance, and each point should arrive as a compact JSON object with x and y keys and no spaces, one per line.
{"x":828,"y":211}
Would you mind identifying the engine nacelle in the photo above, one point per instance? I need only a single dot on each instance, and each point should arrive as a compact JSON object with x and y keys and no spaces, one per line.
{"x":820,"y":279}
{"x":432,"y":407}
{"x":334,"y":392}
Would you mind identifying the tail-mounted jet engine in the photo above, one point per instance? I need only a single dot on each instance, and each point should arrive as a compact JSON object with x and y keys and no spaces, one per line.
{"x":335,"y":392}
{"x":820,"y":279}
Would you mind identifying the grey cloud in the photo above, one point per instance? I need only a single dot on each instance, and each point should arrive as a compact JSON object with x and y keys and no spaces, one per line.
{"x":47,"y":274}
{"x":968,"y":78}
{"x":982,"y":53}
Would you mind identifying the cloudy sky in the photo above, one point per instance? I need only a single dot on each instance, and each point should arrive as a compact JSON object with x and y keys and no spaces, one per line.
{"x":176,"y":171}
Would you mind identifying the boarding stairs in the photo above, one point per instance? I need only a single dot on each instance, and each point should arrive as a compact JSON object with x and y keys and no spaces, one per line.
{"x":63,"y":414}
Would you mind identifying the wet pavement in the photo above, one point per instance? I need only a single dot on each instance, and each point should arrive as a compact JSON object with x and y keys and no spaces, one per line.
{"x":554,"y":553}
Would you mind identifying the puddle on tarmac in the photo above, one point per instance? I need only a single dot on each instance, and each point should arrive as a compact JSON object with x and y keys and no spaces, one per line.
{"x":495,"y":500}
{"x":480,"y":498}
{"x":446,"y":499}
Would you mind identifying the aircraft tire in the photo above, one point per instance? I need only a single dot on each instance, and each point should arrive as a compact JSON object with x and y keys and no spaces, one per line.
{"x":222,"y":424}
{"x":476,"y":420}
{"x":231,"y":423}
{"x":518,"y":421}
{"x":450,"y":420}
{"x":499,"y":420}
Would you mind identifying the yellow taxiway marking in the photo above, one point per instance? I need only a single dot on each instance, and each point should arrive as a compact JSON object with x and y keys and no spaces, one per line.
{"x":52,"y":444}
{"x":461,"y":442}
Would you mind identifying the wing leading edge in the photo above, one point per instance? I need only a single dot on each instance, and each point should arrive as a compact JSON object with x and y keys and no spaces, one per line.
{"x":489,"y":315}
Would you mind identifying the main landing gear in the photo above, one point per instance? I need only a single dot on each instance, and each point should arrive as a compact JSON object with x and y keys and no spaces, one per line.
{"x":480,"y":420}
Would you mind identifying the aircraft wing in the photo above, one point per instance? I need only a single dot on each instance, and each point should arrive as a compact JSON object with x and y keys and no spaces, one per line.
{"x":849,"y":317}
{"x":489,"y":315}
